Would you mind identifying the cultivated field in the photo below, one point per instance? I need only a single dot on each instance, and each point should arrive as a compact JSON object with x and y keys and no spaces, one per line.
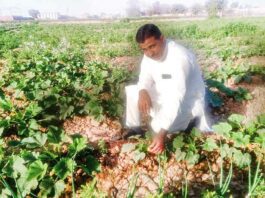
{"x":62,"y":106}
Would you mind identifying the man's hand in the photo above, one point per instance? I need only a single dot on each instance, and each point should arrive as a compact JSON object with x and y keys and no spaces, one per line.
{"x":144,"y":102}
{"x":158,"y":144}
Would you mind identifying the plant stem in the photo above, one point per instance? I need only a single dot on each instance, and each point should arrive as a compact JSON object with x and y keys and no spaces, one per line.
{"x":221,"y":166}
{"x":212,"y":176}
{"x":8,"y":187}
{"x":185,"y":193}
{"x":72,"y":173}
{"x":249,"y":178}
{"x":228,"y":180}
{"x":132,"y":186}
{"x":256,"y":181}
{"x":161,"y":176}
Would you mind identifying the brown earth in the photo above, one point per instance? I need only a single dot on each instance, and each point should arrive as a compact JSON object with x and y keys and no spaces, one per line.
{"x":255,"y":60}
{"x":131,"y":63}
{"x":92,"y":129}
{"x":119,"y":169}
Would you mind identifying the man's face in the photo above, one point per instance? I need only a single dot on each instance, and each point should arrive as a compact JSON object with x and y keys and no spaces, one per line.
{"x":153,"y":48}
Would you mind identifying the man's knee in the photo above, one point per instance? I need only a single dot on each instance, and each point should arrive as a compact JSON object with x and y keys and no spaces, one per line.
{"x":132,"y":93}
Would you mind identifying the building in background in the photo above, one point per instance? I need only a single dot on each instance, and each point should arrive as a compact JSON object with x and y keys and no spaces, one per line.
{"x":48,"y":16}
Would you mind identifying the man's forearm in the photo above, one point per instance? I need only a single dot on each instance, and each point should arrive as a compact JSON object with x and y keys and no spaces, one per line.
{"x":144,"y":102}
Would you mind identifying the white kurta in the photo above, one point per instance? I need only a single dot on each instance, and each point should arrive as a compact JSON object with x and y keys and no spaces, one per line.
{"x":176,"y":88}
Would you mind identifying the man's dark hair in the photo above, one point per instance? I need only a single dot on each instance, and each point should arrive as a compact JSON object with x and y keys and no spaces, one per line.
{"x":147,"y":31}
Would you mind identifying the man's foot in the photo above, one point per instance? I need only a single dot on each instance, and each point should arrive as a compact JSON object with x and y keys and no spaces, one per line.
{"x":133,"y":132}
{"x":191,"y":125}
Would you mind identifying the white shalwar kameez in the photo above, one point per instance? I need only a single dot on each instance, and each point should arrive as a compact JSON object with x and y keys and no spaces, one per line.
{"x":176,"y":88}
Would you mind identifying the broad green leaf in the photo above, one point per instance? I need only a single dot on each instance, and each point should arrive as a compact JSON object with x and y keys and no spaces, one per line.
{"x":45,"y":84}
{"x":240,"y":140}
{"x":50,"y":188}
{"x":55,"y":135}
{"x":1,"y":130}
{"x":261,"y":138}
{"x":23,"y":130}
{"x":14,"y":167}
{"x":38,"y":140}
{"x":59,"y":188}
{"x":14,"y":143}
{"x":46,"y":187}
{"x":126,"y":148}
{"x":2,"y":153}
{"x":36,"y":170}
{"x":192,"y":158}
{"x":142,"y":147}
{"x":226,"y":151}
{"x":2,"y":94}
{"x":246,"y":159}
{"x":241,"y":159}
{"x":138,"y":156}
{"x":209,"y":145}
{"x":50,"y":118}
{"x":6,"y":193}
{"x":223,"y":129}
{"x":261,"y":119}
{"x":29,"y":156}
{"x":251,"y":128}
{"x":48,"y":156}
{"x":236,"y":119}
{"x":64,"y":167}
{"x":191,"y":145}
{"x":3,"y":124}
{"x":79,"y":143}
{"x":6,"y":104}
{"x":93,"y":107}
{"x":196,"y":133}
{"x":91,"y":165}
{"x":180,"y":155}
{"x":41,"y":138}
{"x":18,"y":165}
{"x":237,"y":156}
{"x":26,"y":186}
{"x":178,"y":142}
{"x":33,"y":124}
{"x":66,"y":111}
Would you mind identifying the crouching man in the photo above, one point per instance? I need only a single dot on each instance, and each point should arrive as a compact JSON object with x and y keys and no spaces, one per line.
{"x":170,"y":88}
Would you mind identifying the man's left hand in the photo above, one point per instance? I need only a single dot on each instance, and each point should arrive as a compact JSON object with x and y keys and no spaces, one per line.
{"x":158,"y":144}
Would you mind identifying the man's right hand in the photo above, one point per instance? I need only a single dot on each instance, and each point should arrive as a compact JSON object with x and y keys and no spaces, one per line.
{"x":144,"y":102}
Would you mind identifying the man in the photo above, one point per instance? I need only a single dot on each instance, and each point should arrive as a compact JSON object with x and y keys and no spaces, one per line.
{"x":170,"y":88}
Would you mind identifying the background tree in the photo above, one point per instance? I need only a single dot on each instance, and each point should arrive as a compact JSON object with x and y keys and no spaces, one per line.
{"x":133,"y":8}
{"x":221,"y":6}
{"x":234,"y":4}
{"x":179,"y":9}
{"x":156,"y":7}
{"x":196,"y":9}
{"x":215,"y":7}
{"x":165,"y":8}
{"x":34,"y":13}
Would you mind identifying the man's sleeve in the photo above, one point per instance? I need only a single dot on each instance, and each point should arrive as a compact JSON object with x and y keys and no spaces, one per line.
{"x":145,"y":77}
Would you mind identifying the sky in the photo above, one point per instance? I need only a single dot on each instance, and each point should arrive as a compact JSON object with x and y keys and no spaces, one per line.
{"x":92,"y":7}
